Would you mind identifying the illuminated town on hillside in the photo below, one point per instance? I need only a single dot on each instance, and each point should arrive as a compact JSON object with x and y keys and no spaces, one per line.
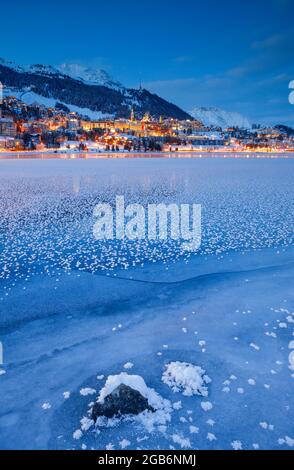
{"x":146,"y":236}
{"x":35,"y":127}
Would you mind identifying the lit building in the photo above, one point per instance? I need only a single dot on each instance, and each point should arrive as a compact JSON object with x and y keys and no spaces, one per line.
{"x":146,"y":117}
{"x":1,"y":97}
{"x":7,"y":127}
{"x":73,"y":124}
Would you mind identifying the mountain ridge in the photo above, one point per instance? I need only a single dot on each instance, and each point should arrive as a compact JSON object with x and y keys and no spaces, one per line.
{"x":212,"y":116}
{"x":107,"y":98}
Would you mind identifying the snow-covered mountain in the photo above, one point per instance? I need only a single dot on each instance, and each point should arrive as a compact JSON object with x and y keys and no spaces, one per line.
{"x":84,"y":90}
{"x":220,"y":118}
{"x":44,"y":70}
{"x":89,"y":75}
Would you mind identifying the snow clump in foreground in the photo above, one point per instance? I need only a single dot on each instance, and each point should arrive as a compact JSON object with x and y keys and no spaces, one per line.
{"x":186,"y":378}
{"x":148,"y":419}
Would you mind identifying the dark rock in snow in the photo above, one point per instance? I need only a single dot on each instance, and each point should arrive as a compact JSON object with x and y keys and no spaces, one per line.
{"x":123,"y":400}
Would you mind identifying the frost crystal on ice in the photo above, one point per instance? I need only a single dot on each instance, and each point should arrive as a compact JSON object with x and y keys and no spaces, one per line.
{"x":46,"y":406}
{"x":237,"y":445}
{"x":206,"y":405}
{"x":77,"y":434}
{"x":87,"y":391}
{"x":128,"y":365}
{"x":183,"y":442}
{"x":124,"y":443}
{"x":186,"y":378}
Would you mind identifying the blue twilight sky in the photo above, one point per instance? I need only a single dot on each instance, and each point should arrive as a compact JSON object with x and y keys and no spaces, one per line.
{"x":238,"y":55}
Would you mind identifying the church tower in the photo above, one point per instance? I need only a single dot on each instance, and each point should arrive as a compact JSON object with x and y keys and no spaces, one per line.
{"x":132,"y":115}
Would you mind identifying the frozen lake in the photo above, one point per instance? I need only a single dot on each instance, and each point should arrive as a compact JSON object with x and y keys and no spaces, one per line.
{"x":73,"y":309}
{"x":67,"y":154}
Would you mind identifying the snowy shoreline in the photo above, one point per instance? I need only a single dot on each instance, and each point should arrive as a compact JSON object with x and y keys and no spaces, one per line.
{"x":53,"y":154}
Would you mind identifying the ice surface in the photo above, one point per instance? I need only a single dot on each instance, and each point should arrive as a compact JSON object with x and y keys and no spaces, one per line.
{"x":73,"y":310}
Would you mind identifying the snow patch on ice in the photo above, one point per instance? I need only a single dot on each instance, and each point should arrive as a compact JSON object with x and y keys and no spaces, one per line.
{"x":237,"y":445}
{"x":286,"y":440}
{"x":46,"y":406}
{"x":186,"y":378}
{"x":206,"y":405}
{"x":194,"y":430}
{"x":124,"y":443}
{"x":77,"y":434}
{"x":128,"y":365}
{"x":183,"y":442}
{"x":87,"y":391}
{"x":86,"y":423}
